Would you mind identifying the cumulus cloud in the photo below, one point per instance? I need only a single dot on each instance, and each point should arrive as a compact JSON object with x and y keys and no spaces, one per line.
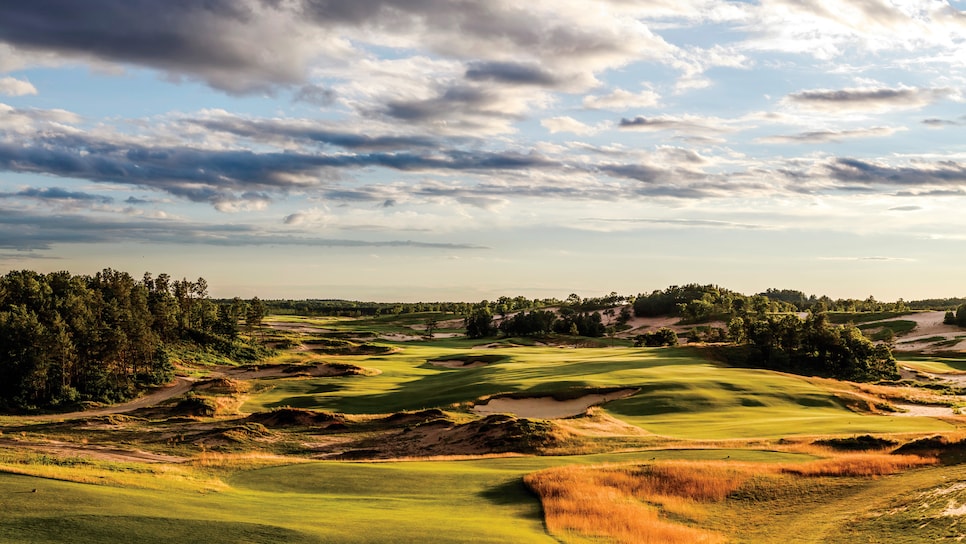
{"x":244,"y":46}
{"x":11,"y":86}
{"x":214,"y":41}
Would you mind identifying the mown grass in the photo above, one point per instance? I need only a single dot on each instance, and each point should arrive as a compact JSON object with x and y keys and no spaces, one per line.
{"x":936,"y":364}
{"x":863,"y":317}
{"x":882,"y":329}
{"x":224,"y":498}
{"x":682,"y":394}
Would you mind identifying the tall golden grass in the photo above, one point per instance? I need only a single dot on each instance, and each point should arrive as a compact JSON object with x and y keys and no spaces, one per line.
{"x":631,"y":503}
{"x":601,"y":502}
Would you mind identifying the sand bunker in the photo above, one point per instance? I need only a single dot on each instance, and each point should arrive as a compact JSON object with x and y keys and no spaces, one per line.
{"x":923,"y":410}
{"x":548,"y":407}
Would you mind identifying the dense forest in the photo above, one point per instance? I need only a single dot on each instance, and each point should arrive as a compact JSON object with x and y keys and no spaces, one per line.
{"x":66,"y":339}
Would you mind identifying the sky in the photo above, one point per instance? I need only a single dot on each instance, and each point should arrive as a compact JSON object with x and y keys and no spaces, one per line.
{"x":404,"y":150}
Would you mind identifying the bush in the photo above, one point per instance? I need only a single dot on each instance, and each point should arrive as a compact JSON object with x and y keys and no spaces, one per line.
{"x":661,"y":337}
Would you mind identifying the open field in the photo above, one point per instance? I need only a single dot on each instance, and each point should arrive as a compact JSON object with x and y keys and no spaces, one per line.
{"x":363,"y":431}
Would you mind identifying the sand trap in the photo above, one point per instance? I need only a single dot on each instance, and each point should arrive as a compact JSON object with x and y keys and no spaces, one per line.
{"x":548,"y":407}
{"x":923,"y":410}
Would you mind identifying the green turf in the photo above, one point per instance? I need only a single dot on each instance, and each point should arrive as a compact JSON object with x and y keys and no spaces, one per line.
{"x":441,"y":501}
{"x":682,"y":393}
{"x":935,"y":364}
{"x":898,"y":327}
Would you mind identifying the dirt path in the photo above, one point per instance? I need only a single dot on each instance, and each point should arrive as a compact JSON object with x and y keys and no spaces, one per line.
{"x":179,"y":386}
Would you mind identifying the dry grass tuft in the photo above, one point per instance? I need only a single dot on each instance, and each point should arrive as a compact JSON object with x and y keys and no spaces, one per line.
{"x":632,"y":503}
{"x":615,"y":503}
{"x":859,"y":464}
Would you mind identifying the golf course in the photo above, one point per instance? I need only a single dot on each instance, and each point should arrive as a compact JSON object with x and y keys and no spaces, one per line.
{"x":371,"y":430}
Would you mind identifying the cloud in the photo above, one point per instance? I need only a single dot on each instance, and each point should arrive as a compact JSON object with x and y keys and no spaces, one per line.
{"x":57,"y":194}
{"x":919,"y":176}
{"x":876,"y":258}
{"x":16,"y":87}
{"x":510,"y":72}
{"x":868,"y":99}
{"x":232,"y":179}
{"x":687,"y":125}
{"x":567,"y":124}
{"x":826,"y":136}
{"x":620,"y":99}
{"x":305,"y":131}
{"x":315,"y":94}
{"x":905,"y":208}
{"x":697,"y":223}
{"x":464,"y":108}
{"x":939,"y":123}
{"x":214,"y":41}
{"x":245,"y":46}
{"x":25,"y":231}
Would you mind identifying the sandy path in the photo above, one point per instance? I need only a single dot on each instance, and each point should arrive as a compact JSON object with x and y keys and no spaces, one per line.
{"x":548,"y":407}
{"x":179,"y":386}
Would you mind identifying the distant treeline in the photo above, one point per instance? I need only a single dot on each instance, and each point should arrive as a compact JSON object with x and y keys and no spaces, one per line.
{"x":66,"y":338}
{"x":350,"y":308}
{"x":695,"y":303}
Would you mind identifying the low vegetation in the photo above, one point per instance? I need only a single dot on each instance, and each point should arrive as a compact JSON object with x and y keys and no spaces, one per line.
{"x":665,"y":502}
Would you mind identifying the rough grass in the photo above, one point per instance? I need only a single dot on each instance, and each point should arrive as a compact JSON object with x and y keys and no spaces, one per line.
{"x":664,"y":502}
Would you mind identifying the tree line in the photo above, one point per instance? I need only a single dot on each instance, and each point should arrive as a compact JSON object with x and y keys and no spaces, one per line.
{"x":811,"y":346}
{"x":69,"y":338}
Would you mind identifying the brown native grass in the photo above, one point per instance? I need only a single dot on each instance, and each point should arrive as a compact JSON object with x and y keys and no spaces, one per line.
{"x":661,"y":502}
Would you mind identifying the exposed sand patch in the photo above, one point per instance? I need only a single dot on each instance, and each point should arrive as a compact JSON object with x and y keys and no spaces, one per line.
{"x":929,"y":328}
{"x":598,"y":423}
{"x":548,"y":407}
{"x":923,"y":410}
{"x":954,"y":510}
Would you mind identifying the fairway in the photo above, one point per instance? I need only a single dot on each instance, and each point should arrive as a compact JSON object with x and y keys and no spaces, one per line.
{"x":682,"y":393}
{"x":430,"y":501}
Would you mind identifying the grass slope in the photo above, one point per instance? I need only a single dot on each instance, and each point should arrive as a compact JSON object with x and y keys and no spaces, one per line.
{"x":441,"y":501}
{"x":682,"y":393}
